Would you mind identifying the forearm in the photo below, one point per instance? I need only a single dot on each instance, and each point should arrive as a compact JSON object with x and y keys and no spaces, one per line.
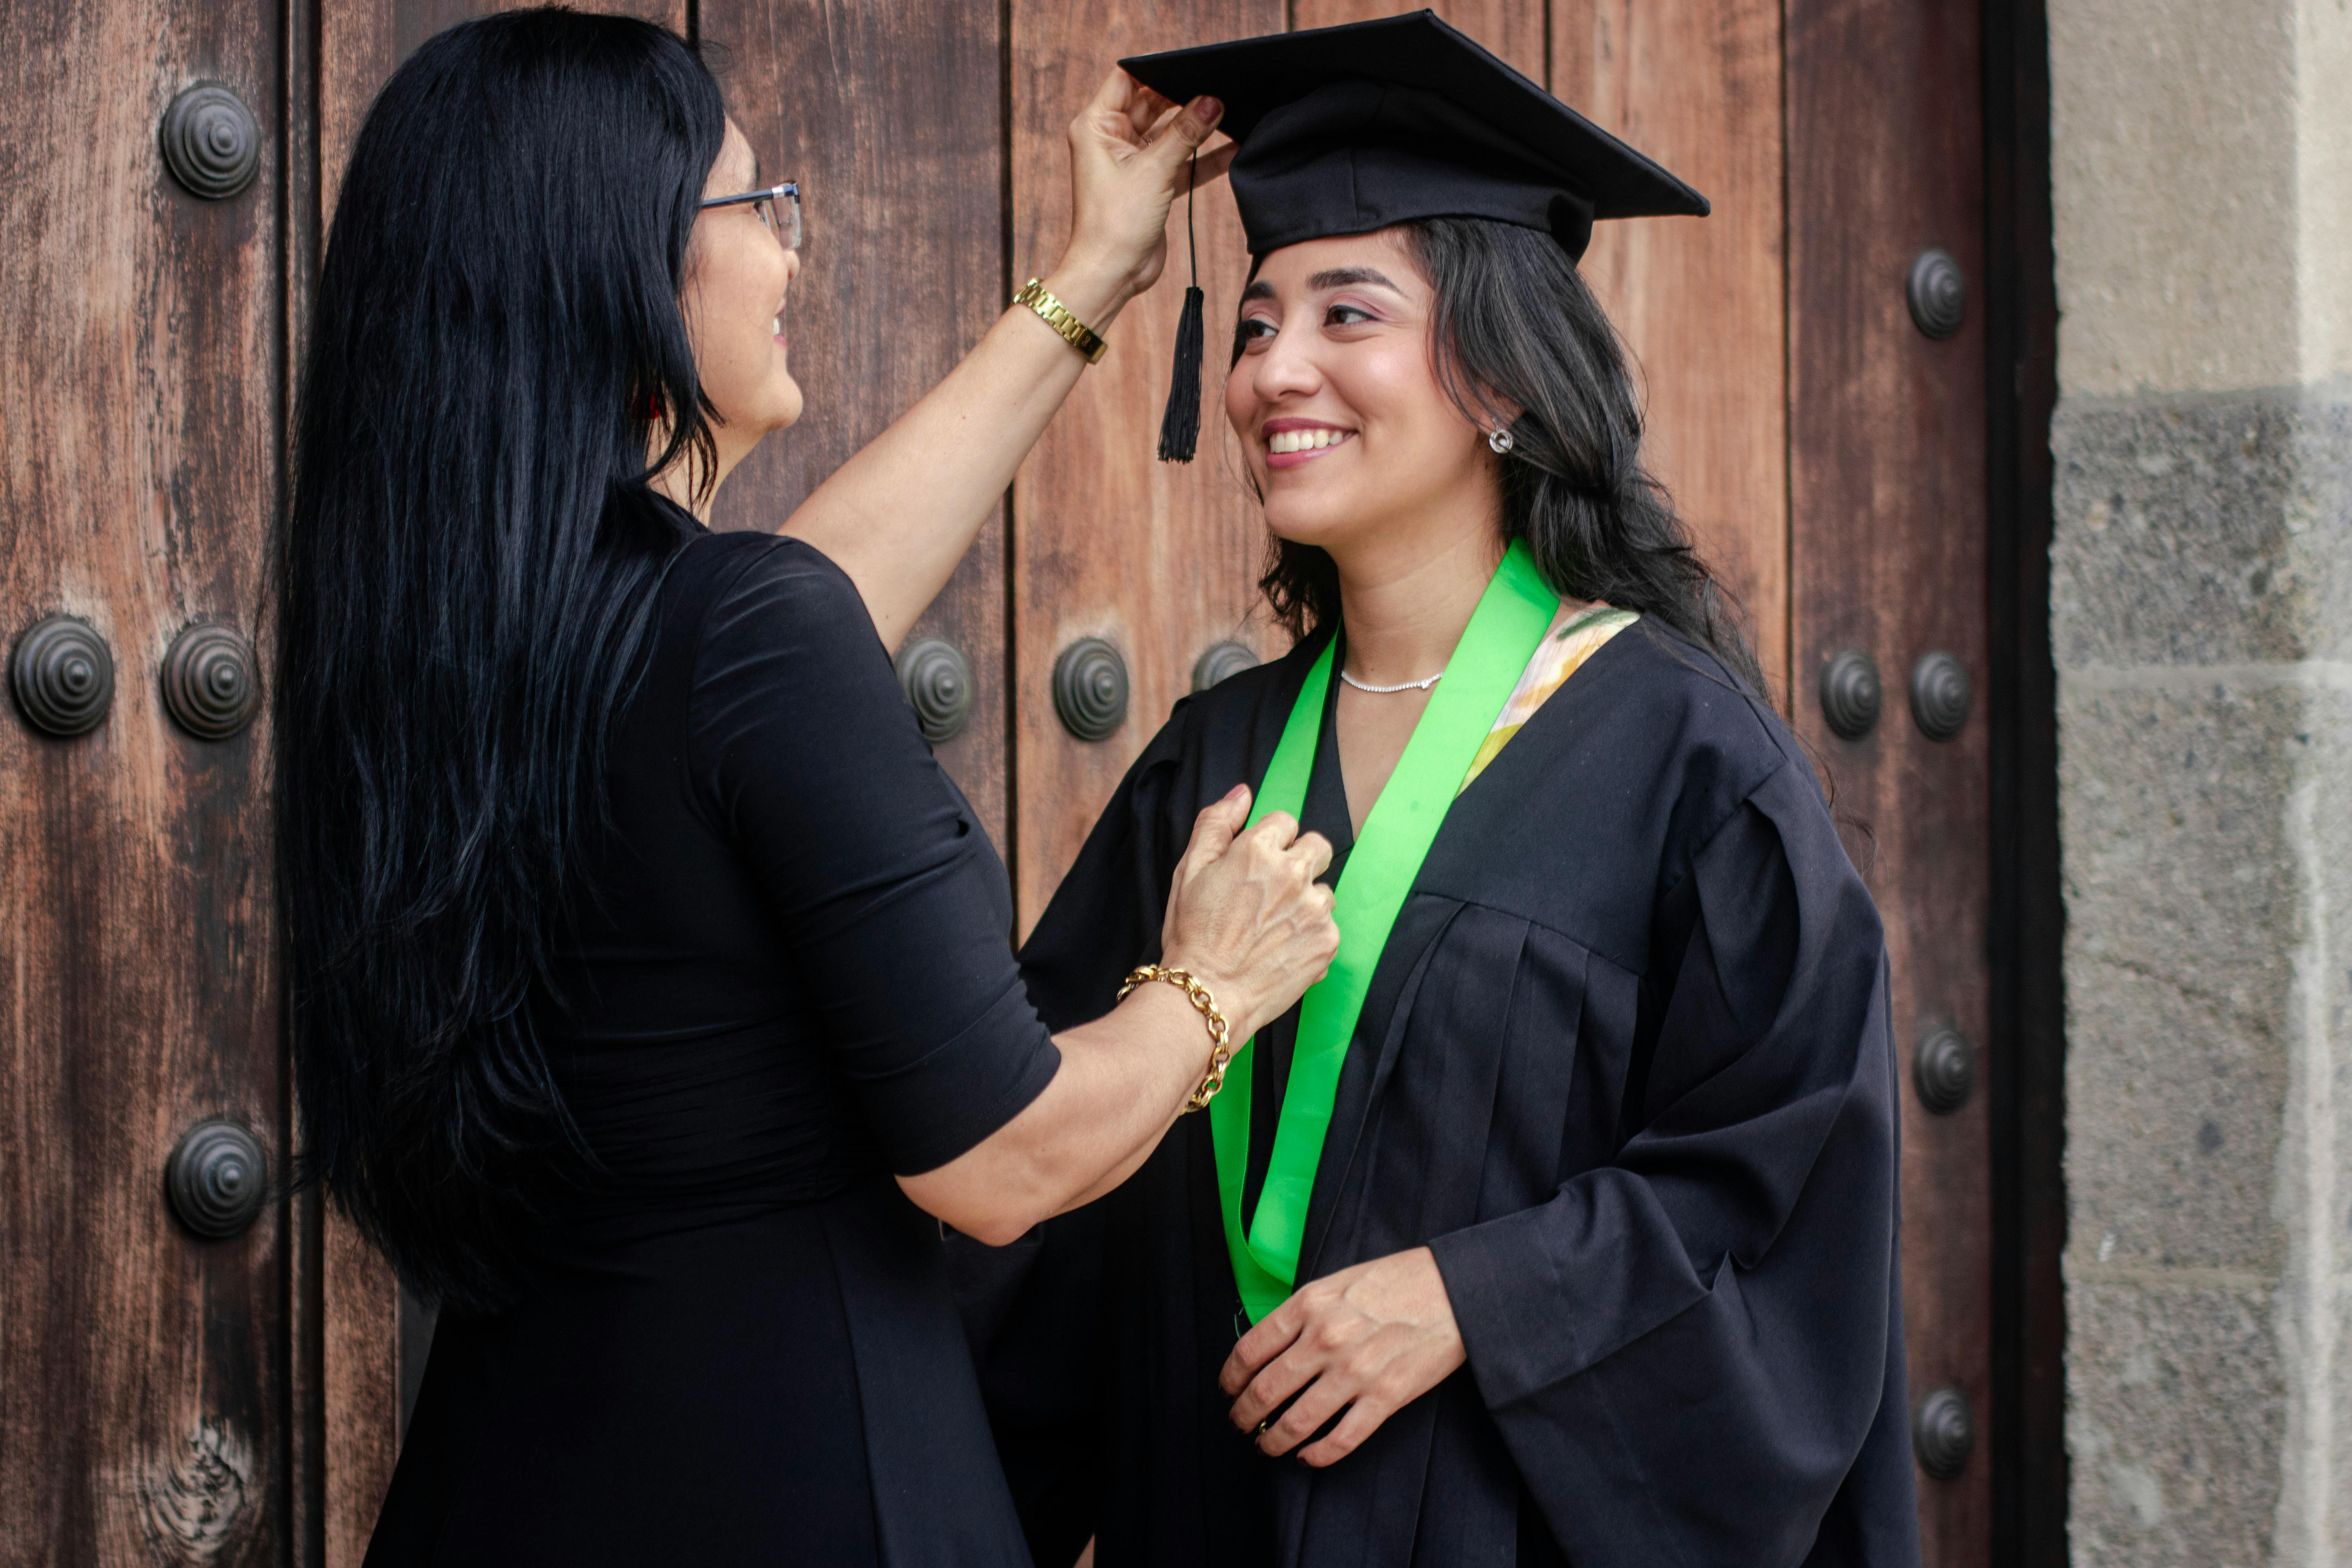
{"x":899,"y":515}
{"x":1123,"y":1081}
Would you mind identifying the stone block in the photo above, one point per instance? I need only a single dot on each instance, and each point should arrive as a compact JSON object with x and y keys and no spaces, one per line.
{"x":2173,"y":150}
{"x":2173,"y":1130}
{"x":2201,"y":869}
{"x":2176,"y":1410}
{"x":2201,"y":531}
{"x":2173,"y":799}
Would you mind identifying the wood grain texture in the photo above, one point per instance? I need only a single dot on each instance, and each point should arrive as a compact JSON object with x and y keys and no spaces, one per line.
{"x":890,"y":117}
{"x":1696,"y":84}
{"x":141,"y":1379}
{"x":360,"y":1415}
{"x":1159,"y":558}
{"x":1513,"y":29}
{"x":1888,"y":523}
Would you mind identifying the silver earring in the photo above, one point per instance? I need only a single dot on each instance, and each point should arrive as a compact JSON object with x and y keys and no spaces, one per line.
{"x":1498,"y":440}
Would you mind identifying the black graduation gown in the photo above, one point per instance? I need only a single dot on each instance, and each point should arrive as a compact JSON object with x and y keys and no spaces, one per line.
{"x":1624,"y":1066}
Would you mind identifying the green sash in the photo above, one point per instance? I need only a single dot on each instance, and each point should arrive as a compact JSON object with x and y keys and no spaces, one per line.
{"x":1502,"y":637}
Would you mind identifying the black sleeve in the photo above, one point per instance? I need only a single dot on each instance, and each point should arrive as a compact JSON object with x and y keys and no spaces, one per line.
{"x":887,"y":892}
{"x":1705,"y":1330}
{"x":1031,"y":1310}
{"x":1105,"y":918}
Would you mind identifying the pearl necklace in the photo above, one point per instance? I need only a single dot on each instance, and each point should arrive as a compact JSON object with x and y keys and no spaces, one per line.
{"x":1400,"y":686}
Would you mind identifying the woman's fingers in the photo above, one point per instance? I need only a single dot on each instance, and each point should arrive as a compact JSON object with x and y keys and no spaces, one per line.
{"x":1274,"y":832}
{"x":1124,"y":108}
{"x":1214,"y":830}
{"x":1281,"y":1378}
{"x":1160,"y":122}
{"x":1245,"y":913}
{"x":1317,"y":1403}
{"x":1316,"y":850}
{"x":1363,"y":1418}
{"x":1183,"y":135}
{"x":1269,"y":1339}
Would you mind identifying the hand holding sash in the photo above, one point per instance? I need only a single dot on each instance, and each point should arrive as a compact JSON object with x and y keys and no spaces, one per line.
{"x":1245,"y":915}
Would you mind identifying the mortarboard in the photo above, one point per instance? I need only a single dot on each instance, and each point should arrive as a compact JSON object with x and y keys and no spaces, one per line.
{"x":1350,"y":129}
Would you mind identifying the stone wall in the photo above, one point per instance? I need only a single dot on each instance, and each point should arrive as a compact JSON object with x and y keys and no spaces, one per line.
{"x":2201,"y":619}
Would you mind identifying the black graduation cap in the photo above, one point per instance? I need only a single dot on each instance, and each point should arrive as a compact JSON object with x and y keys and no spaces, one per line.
{"x":1350,"y":129}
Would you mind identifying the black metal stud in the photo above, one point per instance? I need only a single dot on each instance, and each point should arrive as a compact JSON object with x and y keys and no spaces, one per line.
{"x":1850,"y":694}
{"x":1937,"y":293}
{"x":211,"y":144}
{"x":1090,"y":689}
{"x":1940,"y":695}
{"x":1943,"y":1069}
{"x":1943,"y":1434}
{"x":209,"y":682}
{"x":62,"y":676}
{"x":937,"y":681}
{"x":218,"y":1179}
{"x":1220,"y":660}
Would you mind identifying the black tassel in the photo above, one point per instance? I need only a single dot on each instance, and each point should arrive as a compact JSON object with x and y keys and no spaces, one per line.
{"x":1180,"y":427}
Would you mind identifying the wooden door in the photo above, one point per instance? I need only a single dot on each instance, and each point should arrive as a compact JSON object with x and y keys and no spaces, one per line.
{"x":1888,"y":530}
{"x":143,"y":1369}
{"x":164,"y":1398}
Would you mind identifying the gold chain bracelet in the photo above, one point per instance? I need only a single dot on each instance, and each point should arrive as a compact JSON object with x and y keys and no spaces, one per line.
{"x":1220,"y":1052}
{"x":1056,"y":315}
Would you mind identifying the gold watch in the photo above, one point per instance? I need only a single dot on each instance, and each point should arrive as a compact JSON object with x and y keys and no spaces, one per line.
{"x":1056,"y":315}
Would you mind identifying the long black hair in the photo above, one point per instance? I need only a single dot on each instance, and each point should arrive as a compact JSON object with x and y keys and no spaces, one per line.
{"x":462,"y":584}
{"x":1516,"y":327}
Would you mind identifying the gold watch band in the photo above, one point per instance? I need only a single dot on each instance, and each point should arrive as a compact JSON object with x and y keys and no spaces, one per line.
{"x":1056,"y":315}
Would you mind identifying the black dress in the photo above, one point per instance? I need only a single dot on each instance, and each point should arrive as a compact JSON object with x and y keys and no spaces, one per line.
{"x":740,"y":1345}
{"x":1624,"y":1066}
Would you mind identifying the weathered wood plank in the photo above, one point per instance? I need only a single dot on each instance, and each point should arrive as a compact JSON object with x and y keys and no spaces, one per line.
{"x":1513,"y":29}
{"x":890,"y":117}
{"x":1887,"y":522}
{"x":140,"y":1380}
{"x":1161,"y":559}
{"x":1696,"y":84}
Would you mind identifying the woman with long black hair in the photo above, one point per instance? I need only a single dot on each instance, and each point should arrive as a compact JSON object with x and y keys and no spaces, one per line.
{"x":650,"y":992}
{"x":1557,"y":1222}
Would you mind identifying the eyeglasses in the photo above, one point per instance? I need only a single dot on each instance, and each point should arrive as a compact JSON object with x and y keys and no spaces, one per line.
{"x":778,"y":206}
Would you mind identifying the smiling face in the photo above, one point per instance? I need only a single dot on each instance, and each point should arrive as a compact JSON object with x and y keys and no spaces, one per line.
{"x":1336,"y":397}
{"x":738,"y":274}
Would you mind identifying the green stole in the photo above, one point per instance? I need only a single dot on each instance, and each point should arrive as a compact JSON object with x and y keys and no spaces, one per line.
{"x":1502,"y":637}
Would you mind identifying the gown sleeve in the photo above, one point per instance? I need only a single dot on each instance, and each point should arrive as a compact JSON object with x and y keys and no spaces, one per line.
{"x":1032,"y":1311}
{"x":1105,"y":918}
{"x":889,"y":898}
{"x":1685,"y":1350}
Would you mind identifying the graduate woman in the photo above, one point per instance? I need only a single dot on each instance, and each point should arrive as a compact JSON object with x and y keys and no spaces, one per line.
{"x":651,"y":995}
{"x":1559,"y":1223}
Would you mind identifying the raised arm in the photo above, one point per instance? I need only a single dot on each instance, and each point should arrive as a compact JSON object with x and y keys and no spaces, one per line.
{"x":899,"y":515}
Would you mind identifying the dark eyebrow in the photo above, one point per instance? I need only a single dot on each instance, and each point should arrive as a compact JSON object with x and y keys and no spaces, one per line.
{"x":1341,"y":277}
{"x":1336,"y":277}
